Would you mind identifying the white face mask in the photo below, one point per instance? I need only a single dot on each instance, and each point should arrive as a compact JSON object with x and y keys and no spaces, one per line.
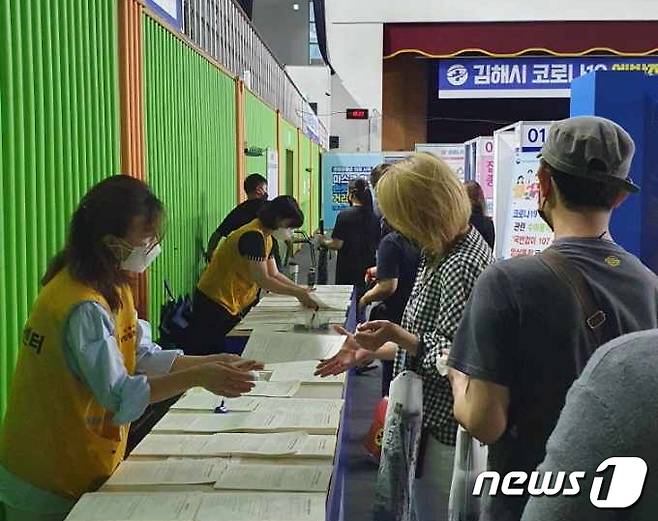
{"x":282,"y":234}
{"x":140,"y":258}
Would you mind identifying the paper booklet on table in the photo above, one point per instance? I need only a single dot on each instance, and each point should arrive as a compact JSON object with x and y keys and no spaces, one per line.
{"x":261,"y":506}
{"x":312,"y":421}
{"x":198,"y":399}
{"x":172,"y":471}
{"x":302,"y":371}
{"x":129,"y":506}
{"x":270,"y":445}
{"x":270,"y":346}
{"x":280,"y":478}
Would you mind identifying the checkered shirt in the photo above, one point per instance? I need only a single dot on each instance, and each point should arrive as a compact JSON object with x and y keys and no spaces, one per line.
{"x":433,"y":314}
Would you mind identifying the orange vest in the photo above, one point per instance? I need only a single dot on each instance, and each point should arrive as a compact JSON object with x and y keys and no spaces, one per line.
{"x":56,"y":436}
{"x":227,"y":280}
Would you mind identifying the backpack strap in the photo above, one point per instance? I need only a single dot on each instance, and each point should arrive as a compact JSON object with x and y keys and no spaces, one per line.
{"x":567,"y":272}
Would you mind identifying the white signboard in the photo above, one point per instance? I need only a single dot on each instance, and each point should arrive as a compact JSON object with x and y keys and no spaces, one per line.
{"x":453,"y":154}
{"x":272,"y":173}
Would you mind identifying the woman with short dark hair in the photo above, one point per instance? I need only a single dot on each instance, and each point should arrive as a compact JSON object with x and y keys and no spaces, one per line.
{"x":479,"y":219}
{"x":241,"y":266}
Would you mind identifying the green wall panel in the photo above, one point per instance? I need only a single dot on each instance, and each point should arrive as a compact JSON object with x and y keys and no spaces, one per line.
{"x":305,"y":175}
{"x":60,"y":135}
{"x":260,"y":131}
{"x":190,"y":119}
{"x":288,"y":159}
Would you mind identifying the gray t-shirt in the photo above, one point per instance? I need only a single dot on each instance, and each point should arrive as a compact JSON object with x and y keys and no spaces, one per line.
{"x":523,"y":328}
{"x":611,"y":411}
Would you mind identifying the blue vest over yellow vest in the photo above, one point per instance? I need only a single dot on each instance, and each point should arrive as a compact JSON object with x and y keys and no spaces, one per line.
{"x":56,"y":436}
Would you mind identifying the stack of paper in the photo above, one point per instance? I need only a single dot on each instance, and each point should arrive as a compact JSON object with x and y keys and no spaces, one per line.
{"x":172,"y":471}
{"x":261,"y":506}
{"x":282,"y":478}
{"x":302,"y":371}
{"x":270,"y":346}
{"x":309,"y":420}
{"x":118,"y":506}
{"x":270,"y":445}
{"x":198,"y":399}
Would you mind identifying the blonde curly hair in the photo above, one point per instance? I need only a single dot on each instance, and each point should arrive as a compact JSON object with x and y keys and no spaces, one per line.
{"x":423,"y":199}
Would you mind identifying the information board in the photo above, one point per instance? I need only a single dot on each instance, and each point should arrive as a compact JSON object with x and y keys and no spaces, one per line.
{"x":484,"y":170}
{"x":525,"y":232}
{"x":529,"y":77}
{"x":337,"y":171}
{"x":453,"y":154}
{"x":272,"y":172}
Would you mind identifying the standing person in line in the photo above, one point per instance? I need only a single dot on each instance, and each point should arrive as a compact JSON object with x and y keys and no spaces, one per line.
{"x":397,"y":266}
{"x":242,"y":265}
{"x":88,"y":366}
{"x":255,"y":186}
{"x":375,"y":175}
{"x":597,"y":424}
{"x":479,"y":219}
{"x":422,"y":198}
{"x":355,"y":236}
{"x":525,"y":336}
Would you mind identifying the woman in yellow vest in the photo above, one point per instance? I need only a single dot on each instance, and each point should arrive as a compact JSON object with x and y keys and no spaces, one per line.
{"x":87,"y":366}
{"x":241,"y":266}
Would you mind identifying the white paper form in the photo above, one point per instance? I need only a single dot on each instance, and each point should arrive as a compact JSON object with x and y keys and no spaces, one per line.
{"x":278,"y":389}
{"x":198,"y":399}
{"x":270,"y":346}
{"x":281,"y":478}
{"x":172,"y":471}
{"x":299,"y":404}
{"x":270,"y":445}
{"x":261,"y":506}
{"x":118,"y":506}
{"x":302,"y":371}
{"x":311,"y":420}
{"x":317,"y":446}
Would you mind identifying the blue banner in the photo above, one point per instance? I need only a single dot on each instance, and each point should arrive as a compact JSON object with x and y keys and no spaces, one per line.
{"x":533,"y":77}
{"x":337,"y":171}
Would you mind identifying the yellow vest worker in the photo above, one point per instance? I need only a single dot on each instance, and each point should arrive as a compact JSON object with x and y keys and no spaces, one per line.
{"x":87,"y":366}
{"x":240,"y":267}
{"x":227,"y":280}
{"x":66,"y":443}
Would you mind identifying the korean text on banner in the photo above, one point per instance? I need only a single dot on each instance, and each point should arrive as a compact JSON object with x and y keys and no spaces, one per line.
{"x":525,"y":233}
{"x":337,"y":171}
{"x":531,"y":77}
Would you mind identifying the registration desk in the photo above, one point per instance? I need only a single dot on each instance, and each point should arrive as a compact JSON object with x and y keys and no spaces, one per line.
{"x":327,"y":459}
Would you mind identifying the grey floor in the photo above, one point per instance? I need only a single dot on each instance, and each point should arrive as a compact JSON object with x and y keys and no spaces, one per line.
{"x":361,"y":470}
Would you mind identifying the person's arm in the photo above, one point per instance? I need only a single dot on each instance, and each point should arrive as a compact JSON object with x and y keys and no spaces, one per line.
{"x":332,"y":244}
{"x":93,"y":356}
{"x":260,"y":274}
{"x":338,"y":234}
{"x":381,"y":291}
{"x":274,"y":272}
{"x":213,"y":242}
{"x":480,"y":406}
{"x":481,"y":357}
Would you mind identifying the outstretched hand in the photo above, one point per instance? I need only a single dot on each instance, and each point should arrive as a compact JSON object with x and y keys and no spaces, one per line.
{"x":350,"y":355}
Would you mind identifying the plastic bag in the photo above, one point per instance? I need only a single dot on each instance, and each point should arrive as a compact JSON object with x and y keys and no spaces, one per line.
{"x":399,"y":457}
{"x":470,"y":462}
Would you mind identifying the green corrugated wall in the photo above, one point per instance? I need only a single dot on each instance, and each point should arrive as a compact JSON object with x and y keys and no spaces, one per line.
{"x":60,"y":135}
{"x":288,"y":141}
{"x":190,"y":120}
{"x":316,"y":186}
{"x":260,"y":131}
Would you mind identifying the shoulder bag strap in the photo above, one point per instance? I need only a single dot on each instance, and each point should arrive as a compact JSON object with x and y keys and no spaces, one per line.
{"x":564,"y":270}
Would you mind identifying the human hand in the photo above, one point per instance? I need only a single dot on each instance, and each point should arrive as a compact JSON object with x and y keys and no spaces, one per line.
{"x":305,"y":298}
{"x":371,"y":275}
{"x":225,"y":379}
{"x":236,"y":361}
{"x":350,"y":355}
{"x":373,"y":335}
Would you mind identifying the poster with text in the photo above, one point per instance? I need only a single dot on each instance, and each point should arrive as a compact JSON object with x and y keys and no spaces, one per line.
{"x":337,"y":171}
{"x":453,"y":154}
{"x":525,"y":232}
{"x":484,"y":170}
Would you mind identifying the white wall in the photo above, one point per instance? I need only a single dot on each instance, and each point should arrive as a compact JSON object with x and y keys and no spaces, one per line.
{"x":372,"y":11}
{"x":355,"y":41}
{"x":356,"y":55}
{"x":314,"y":82}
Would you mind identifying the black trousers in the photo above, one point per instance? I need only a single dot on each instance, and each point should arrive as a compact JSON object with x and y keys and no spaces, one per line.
{"x":209,"y":326}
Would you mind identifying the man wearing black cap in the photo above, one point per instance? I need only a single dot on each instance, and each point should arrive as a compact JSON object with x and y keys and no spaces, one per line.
{"x":529,"y":329}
